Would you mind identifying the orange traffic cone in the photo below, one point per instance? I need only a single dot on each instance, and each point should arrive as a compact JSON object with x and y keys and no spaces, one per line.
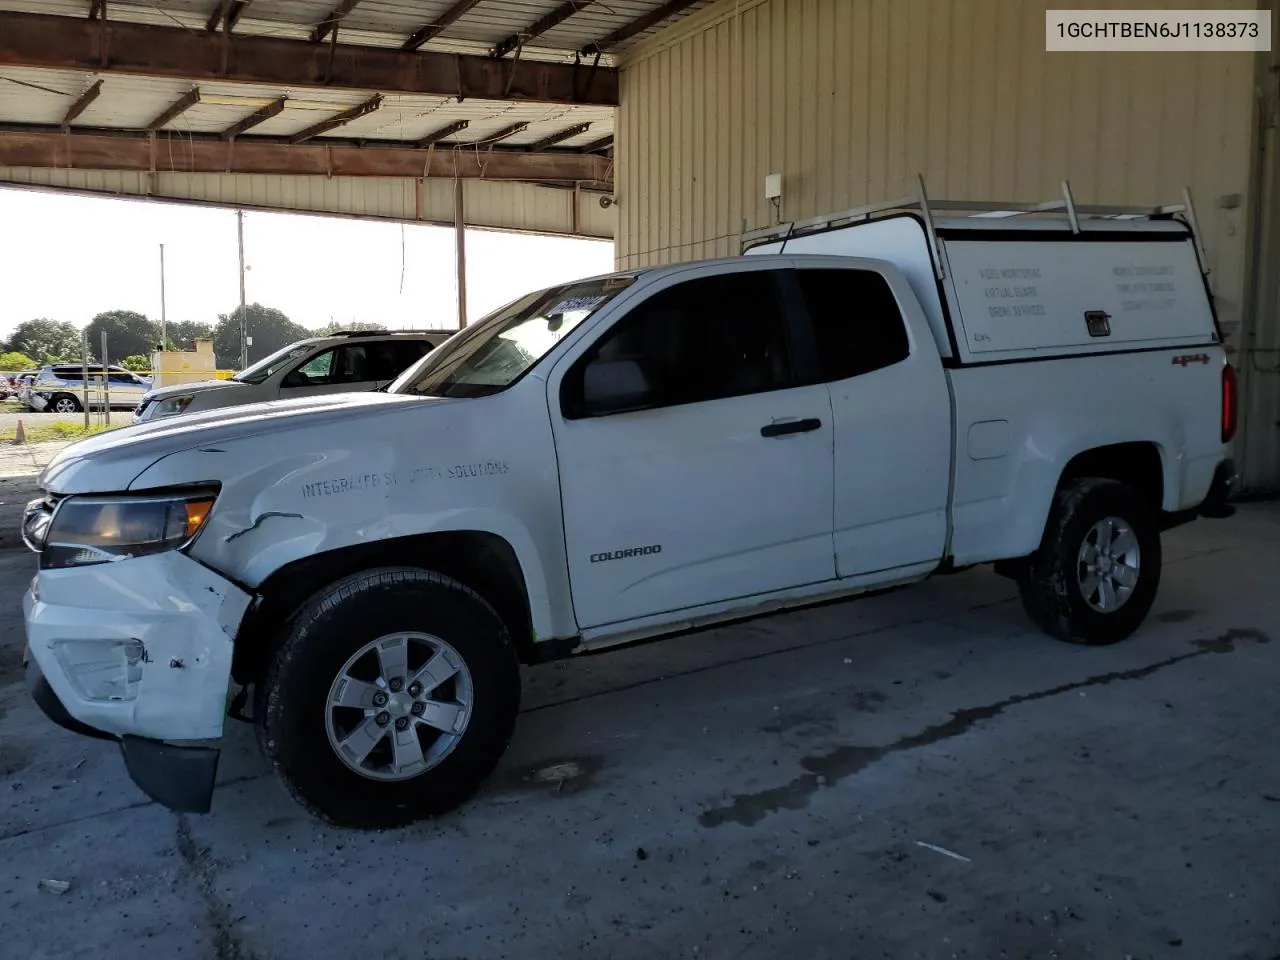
{"x":21,"y":435}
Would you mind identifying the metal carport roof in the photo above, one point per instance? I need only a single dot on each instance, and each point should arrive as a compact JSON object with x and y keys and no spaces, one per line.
{"x":182,"y":94}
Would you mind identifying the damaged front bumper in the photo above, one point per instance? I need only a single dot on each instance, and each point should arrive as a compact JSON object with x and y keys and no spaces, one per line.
{"x":139,"y":650}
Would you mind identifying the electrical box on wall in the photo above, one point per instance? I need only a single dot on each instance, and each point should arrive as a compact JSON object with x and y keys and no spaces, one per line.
{"x":773,"y":186}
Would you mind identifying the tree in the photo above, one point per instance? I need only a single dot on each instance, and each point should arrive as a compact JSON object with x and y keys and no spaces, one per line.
{"x":269,"y":328}
{"x":128,"y":334}
{"x":46,"y":340}
{"x":137,"y":363}
{"x":183,"y":334}
{"x":12,"y":361}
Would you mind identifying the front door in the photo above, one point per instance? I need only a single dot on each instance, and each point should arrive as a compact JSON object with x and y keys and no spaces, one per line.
{"x":337,"y":370}
{"x":719,"y":486}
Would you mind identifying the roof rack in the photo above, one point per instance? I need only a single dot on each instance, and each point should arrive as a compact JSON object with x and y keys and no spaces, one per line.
{"x":984,"y":209}
{"x":382,"y":333}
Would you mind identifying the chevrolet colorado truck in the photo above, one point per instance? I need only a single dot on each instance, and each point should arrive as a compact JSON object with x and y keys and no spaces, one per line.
{"x":848,"y":407}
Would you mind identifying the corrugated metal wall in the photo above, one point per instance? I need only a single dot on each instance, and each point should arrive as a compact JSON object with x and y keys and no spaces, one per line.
{"x":849,"y":99}
{"x":502,"y":206}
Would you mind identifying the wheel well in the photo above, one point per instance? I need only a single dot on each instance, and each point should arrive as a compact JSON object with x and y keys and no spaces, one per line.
{"x":483,"y":561}
{"x":1136,"y":464}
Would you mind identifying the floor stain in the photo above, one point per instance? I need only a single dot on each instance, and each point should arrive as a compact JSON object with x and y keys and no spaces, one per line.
{"x":868,"y":701}
{"x":13,"y":759}
{"x":564,"y":775}
{"x":807,"y":722}
{"x":829,"y":768}
{"x":1177,"y":616}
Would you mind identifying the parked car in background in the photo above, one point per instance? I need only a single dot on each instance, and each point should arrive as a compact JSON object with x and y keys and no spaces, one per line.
{"x":60,"y":388}
{"x":341,"y":363}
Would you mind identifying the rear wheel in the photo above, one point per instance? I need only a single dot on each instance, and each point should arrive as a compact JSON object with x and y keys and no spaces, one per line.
{"x":1096,"y":573}
{"x":391,"y":699}
{"x":64,"y":403}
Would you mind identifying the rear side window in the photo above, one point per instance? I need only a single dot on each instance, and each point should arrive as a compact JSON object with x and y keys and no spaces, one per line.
{"x":857,"y":325}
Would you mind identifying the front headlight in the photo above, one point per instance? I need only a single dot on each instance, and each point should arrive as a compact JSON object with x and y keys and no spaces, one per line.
{"x":171,"y":406}
{"x":87,"y":530}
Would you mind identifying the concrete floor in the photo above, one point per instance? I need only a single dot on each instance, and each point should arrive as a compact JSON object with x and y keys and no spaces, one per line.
{"x":759,"y":791}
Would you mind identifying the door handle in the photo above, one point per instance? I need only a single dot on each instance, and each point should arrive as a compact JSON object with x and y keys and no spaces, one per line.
{"x":788,"y":427}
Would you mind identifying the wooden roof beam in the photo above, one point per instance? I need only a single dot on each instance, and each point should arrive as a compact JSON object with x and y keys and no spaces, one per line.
{"x":441,"y":23}
{"x":255,"y":118}
{"x":74,"y":43}
{"x":446,"y":131}
{"x":98,"y":9}
{"x":82,"y":103}
{"x":176,"y":109}
{"x":346,"y":116}
{"x":568,"y":133}
{"x":335,"y":17}
{"x":598,"y":146}
{"x":226,"y":14}
{"x":197,"y":153}
{"x":639,"y":25}
{"x":551,"y":20}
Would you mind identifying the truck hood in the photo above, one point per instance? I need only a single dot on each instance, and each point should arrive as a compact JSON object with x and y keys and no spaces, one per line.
{"x":111,"y":461}
{"x":186,"y":389}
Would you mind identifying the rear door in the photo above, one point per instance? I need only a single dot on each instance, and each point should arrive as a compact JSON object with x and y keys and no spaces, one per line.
{"x":390,"y":358}
{"x":127,"y":389}
{"x":716,"y":489}
{"x":891,"y":415}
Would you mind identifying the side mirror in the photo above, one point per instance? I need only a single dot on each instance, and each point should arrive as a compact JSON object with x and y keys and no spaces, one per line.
{"x":613,"y":386}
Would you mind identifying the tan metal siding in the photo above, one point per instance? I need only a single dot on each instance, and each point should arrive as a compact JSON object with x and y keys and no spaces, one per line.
{"x":849,"y":99}
{"x":502,"y":206}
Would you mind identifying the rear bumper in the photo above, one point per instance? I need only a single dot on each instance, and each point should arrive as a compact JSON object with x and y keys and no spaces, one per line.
{"x":1215,"y":505}
{"x":178,"y":777}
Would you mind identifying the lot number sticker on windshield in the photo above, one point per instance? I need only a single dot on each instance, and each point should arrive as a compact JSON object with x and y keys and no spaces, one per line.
{"x":574,"y":304}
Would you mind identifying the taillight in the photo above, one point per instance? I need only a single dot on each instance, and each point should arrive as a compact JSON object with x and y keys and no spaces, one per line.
{"x":1230,"y":402}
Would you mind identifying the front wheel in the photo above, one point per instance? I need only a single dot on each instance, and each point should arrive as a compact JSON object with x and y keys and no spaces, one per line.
{"x":391,"y":699}
{"x":1095,"y":576}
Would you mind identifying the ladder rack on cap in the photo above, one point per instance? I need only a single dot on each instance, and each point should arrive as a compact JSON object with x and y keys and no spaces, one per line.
{"x":986,"y":209}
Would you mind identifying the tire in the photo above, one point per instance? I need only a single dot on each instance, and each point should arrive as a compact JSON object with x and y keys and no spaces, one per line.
{"x":63,"y":403}
{"x":1057,"y":575}
{"x":301,"y":732}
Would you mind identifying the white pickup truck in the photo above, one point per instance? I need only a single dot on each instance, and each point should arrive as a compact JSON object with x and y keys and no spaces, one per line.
{"x":847,"y":408}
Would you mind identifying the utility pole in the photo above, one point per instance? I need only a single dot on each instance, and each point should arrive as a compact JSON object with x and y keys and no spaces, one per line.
{"x":460,"y":254}
{"x":244,"y":315}
{"x":164,"y":341}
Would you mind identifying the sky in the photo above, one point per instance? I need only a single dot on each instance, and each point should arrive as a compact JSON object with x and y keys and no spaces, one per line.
{"x":70,"y":257}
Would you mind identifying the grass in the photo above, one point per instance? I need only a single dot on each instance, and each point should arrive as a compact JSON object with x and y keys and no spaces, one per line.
{"x":59,"y":430}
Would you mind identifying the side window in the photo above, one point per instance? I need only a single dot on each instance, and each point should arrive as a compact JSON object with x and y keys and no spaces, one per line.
{"x":352,"y":365}
{"x":76,"y":375}
{"x":704,"y":339}
{"x":857,"y":326}
{"x":123,"y":378}
{"x":315,"y":372}
{"x":390,"y":358}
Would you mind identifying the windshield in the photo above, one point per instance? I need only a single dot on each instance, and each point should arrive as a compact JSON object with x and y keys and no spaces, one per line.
{"x":492,"y":354}
{"x":258,"y":372}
